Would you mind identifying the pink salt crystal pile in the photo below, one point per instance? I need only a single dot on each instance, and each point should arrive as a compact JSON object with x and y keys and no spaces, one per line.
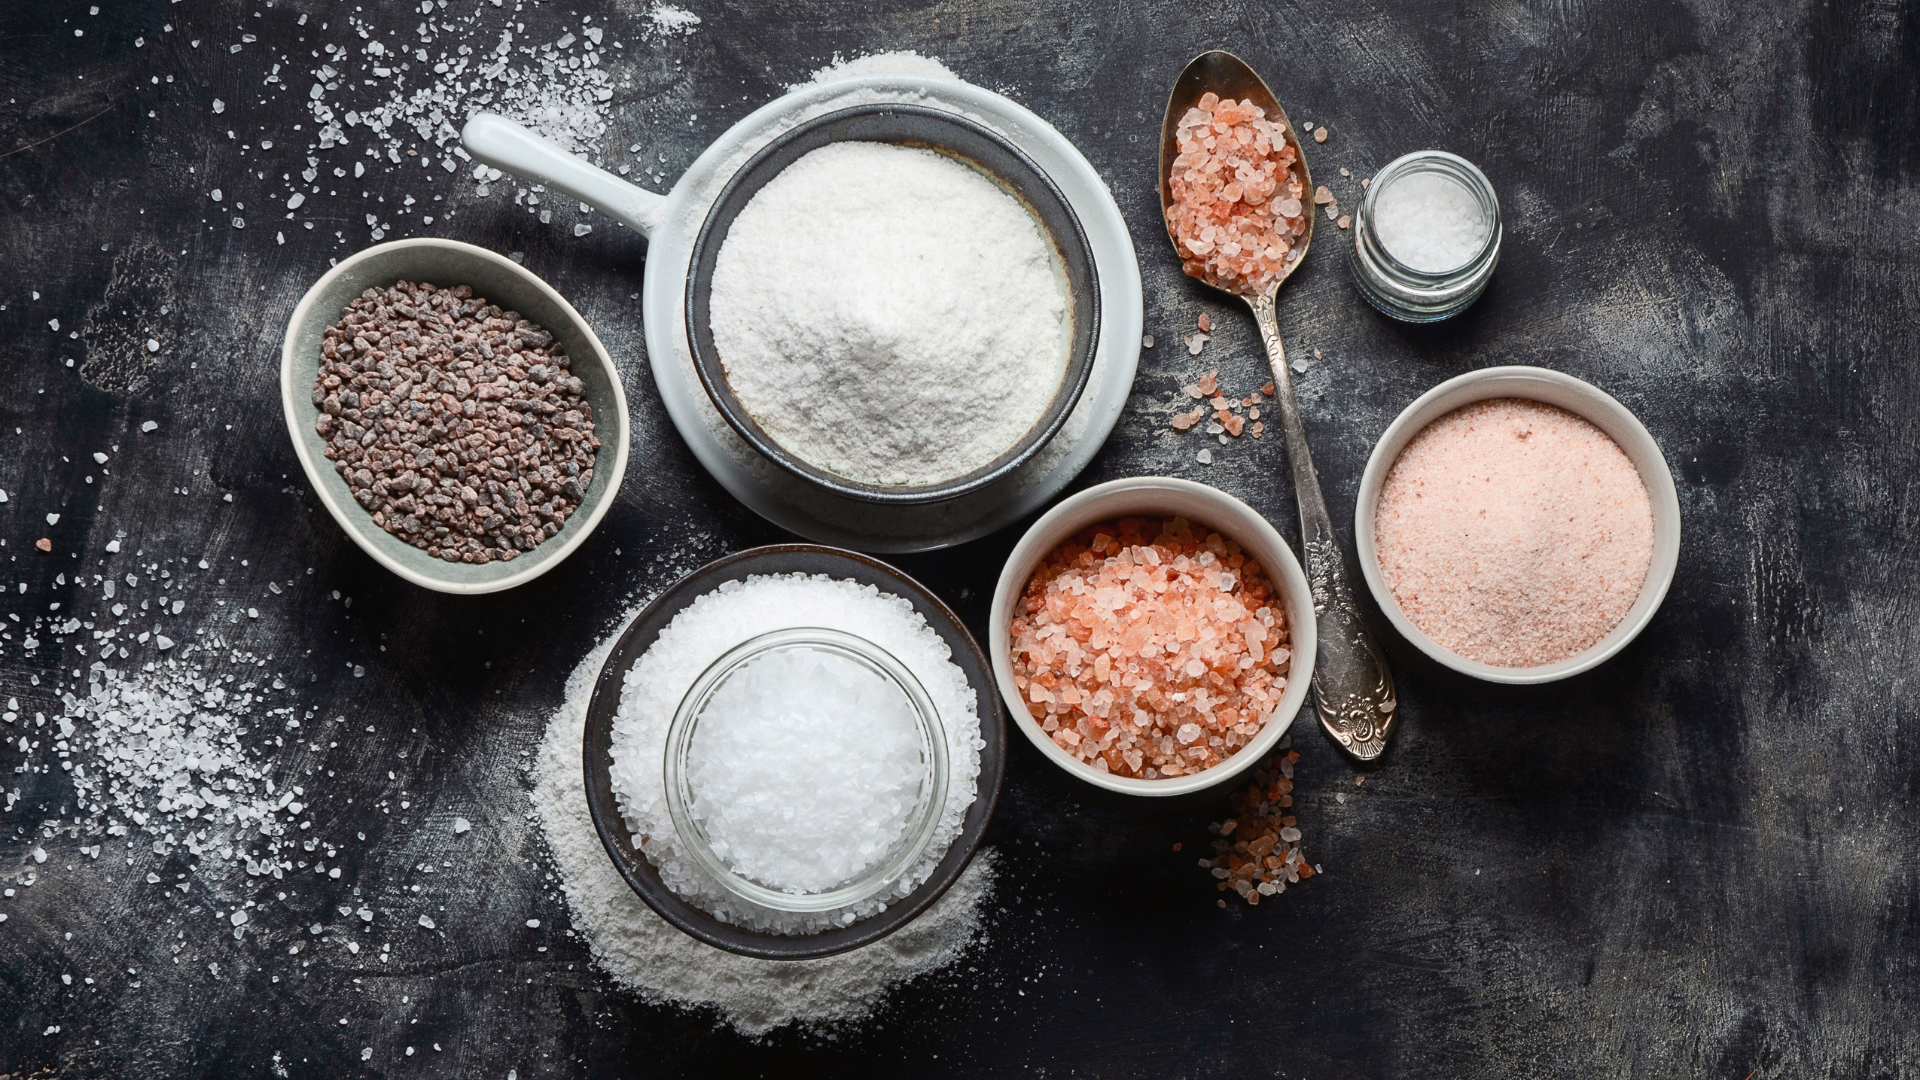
{"x":1514,"y":533}
{"x":1258,"y":852}
{"x":1150,"y":648}
{"x":1236,"y":206}
{"x":1227,"y":419}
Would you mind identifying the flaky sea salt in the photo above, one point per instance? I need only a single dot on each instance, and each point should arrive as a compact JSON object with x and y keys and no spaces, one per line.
{"x":1429,"y":222}
{"x":718,"y":621}
{"x":890,"y":315}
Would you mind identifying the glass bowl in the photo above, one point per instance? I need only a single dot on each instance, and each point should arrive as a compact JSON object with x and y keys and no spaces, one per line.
{"x":883,"y":874}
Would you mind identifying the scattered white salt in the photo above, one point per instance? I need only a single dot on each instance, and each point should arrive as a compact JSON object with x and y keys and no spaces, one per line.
{"x":461,"y":825}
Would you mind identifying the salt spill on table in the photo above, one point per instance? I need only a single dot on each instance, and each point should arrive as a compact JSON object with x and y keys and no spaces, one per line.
{"x":736,"y":612}
{"x":645,"y":954}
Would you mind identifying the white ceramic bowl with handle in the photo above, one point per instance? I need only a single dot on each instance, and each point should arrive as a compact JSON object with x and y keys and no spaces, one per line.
{"x":1158,"y":496}
{"x":1581,"y":399}
{"x":447,"y":263}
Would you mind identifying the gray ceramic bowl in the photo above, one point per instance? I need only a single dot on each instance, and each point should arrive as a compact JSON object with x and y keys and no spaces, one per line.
{"x":504,"y":282}
{"x":1581,"y":399}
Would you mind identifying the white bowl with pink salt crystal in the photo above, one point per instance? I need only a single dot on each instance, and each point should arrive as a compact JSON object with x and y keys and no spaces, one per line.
{"x":1518,"y":525}
{"x":1196,"y":637}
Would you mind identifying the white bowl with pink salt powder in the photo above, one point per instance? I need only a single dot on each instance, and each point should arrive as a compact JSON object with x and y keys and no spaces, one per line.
{"x":1518,"y":525}
{"x":1197,"y":637}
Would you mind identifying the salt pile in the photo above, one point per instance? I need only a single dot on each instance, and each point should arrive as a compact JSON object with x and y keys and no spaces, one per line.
{"x":890,"y":315}
{"x":648,"y":956}
{"x":805,"y":770}
{"x":1430,"y":222}
{"x":1514,"y":533}
{"x":736,"y":612}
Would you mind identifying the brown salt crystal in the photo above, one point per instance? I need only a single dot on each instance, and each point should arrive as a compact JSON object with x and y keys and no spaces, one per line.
{"x":1268,"y":389}
{"x":43,"y":544}
{"x":1206,"y":323}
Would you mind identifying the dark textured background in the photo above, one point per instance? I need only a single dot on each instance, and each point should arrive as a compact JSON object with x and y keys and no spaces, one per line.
{"x":1698,"y":861}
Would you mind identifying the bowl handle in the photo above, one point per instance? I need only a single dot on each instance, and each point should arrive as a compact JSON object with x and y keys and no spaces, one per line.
{"x":505,"y":145}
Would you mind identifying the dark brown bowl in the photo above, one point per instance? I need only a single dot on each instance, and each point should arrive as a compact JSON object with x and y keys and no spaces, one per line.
{"x":948,"y":133}
{"x":640,"y":636}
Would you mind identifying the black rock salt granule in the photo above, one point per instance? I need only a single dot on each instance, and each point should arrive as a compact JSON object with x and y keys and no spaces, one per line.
{"x":455,"y":424}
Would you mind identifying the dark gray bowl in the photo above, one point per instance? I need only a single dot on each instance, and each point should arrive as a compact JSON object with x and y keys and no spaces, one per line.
{"x":640,"y":636}
{"x":948,"y":133}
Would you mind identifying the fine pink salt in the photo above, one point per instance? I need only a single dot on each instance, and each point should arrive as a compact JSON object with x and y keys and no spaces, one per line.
{"x":1514,"y":533}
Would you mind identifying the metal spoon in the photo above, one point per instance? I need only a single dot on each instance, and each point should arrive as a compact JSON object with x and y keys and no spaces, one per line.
{"x":1353,"y":690}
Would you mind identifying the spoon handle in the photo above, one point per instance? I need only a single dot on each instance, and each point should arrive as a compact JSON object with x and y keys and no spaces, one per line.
{"x":1353,"y":689}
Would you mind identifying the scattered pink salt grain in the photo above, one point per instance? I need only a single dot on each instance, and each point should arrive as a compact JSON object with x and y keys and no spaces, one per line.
{"x":1206,"y":323}
{"x":1514,"y":533}
{"x":1150,"y":648}
{"x":1209,"y":384}
{"x":1185,"y":420}
{"x":1236,"y":204}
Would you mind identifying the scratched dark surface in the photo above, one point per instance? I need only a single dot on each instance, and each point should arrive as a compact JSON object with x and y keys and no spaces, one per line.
{"x":1697,"y":861}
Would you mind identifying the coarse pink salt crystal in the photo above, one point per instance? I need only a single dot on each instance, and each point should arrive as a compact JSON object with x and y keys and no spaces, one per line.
{"x":1236,"y":207}
{"x":1150,"y":648}
{"x":1514,"y":533}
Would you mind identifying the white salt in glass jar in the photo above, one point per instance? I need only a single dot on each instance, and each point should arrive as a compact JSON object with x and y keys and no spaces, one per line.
{"x":828,"y":647}
{"x":1426,"y":237}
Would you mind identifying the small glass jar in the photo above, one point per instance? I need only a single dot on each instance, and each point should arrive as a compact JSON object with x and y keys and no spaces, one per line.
{"x":1400,"y":290}
{"x":921,"y":824}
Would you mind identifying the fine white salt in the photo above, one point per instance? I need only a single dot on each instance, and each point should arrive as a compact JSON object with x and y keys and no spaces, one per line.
{"x":889,"y":314}
{"x":1429,"y":222}
{"x":805,"y":769}
{"x":648,"y":956}
{"x":699,"y":635}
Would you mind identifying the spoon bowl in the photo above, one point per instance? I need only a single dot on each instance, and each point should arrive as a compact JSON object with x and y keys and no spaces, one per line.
{"x":1352,"y":686}
{"x":1229,"y":76}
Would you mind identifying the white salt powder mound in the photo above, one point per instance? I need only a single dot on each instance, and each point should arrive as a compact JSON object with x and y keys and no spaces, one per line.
{"x":1430,"y":222}
{"x":718,"y":621}
{"x":648,"y":956}
{"x":889,"y":314}
{"x":904,"y":62}
{"x":805,"y":770}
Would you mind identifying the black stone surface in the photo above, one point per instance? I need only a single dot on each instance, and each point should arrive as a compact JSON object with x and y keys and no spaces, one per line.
{"x":1696,"y":861}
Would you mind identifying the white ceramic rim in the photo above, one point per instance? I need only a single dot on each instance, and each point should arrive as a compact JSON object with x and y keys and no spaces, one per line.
{"x":791,"y":503}
{"x":1580,"y":398}
{"x":356,"y":526}
{"x":1149,"y":496}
